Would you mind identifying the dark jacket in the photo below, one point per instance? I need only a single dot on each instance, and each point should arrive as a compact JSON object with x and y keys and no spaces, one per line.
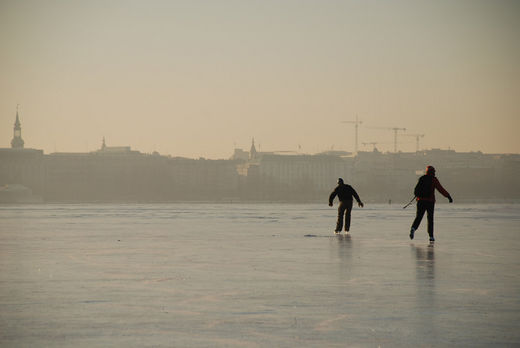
{"x":435,"y":185}
{"x":344,"y":193}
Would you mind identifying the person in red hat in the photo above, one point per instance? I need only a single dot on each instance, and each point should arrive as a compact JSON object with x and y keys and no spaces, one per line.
{"x":425,"y":195}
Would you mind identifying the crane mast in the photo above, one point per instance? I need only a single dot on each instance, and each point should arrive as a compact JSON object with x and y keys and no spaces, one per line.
{"x":356,"y":127}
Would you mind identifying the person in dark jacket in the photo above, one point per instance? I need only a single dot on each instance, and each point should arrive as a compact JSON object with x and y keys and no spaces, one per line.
{"x":426,"y":203}
{"x":345,"y":194}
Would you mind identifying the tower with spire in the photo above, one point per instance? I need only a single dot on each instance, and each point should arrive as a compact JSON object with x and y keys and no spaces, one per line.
{"x":252,"y":152}
{"x":17,"y":142}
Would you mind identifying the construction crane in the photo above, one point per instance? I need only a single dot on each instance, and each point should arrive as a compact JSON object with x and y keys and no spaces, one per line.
{"x":395,"y":129}
{"x":417,"y":136}
{"x":356,"y":125}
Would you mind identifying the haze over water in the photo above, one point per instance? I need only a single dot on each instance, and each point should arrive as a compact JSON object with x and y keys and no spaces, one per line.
{"x":253,"y":275}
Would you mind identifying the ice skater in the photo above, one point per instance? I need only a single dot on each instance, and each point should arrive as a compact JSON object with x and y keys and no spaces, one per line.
{"x":425,"y":195}
{"x":345,"y":194}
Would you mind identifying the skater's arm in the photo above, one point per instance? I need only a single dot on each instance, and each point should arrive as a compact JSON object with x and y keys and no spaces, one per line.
{"x":356,"y":196}
{"x":331,"y":197}
{"x":441,"y":189}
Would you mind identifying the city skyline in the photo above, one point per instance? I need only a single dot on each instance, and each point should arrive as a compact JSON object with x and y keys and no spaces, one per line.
{"x":374,"y":146}
{"x":198,"y":79}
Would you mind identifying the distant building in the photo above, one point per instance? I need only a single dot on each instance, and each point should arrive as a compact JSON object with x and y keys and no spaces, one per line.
{"x":120,"y":174}
{"x":252,"y":153}
{"x":240,"y":154}
{"x":17,"y":142}
{"x":22,"y":172}
{"x":17,"y":193}
{"x":22,"y":167}
{"x":289,"y":176}
{"x":115,"y":149}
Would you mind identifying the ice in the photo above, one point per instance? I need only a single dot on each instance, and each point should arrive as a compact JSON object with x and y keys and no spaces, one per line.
{"x":257,"y":275}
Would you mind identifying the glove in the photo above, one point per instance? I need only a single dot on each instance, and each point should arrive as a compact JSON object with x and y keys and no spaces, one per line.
{"x":450,"y":199}
{"x":330,"y":204}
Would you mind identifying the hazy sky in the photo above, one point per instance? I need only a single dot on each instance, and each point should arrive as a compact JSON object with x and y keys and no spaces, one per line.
{"x":197,"y":78}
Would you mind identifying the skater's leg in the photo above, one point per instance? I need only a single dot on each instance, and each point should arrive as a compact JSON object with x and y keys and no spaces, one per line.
{"x":348,"y":212}
{"x":421,"y":208}
{"x":339,"y":222}
{"x":429,"y":215}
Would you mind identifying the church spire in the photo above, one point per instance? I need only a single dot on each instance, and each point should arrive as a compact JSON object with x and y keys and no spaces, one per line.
{"x":17,"y":142}
{"x":252,"y":152}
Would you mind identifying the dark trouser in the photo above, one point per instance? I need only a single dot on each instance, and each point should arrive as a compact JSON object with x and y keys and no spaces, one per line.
{"x":345,"y":208}
{"x":428,"y":207}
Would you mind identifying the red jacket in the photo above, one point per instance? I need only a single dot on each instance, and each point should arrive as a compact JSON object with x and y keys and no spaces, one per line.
{"x":436,"y":185}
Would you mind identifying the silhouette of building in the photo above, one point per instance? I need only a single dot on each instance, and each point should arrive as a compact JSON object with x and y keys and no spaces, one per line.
{"x":240,"y":154}
{"x":252,"y":153}
{"x":22,"y":172}
{"x":120,"y":174}
{"x":23,"y":167}
{"x":17,"y":142}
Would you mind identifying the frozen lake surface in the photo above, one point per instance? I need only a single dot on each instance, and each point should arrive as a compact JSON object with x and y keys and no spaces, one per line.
{"x":257,"y":275}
